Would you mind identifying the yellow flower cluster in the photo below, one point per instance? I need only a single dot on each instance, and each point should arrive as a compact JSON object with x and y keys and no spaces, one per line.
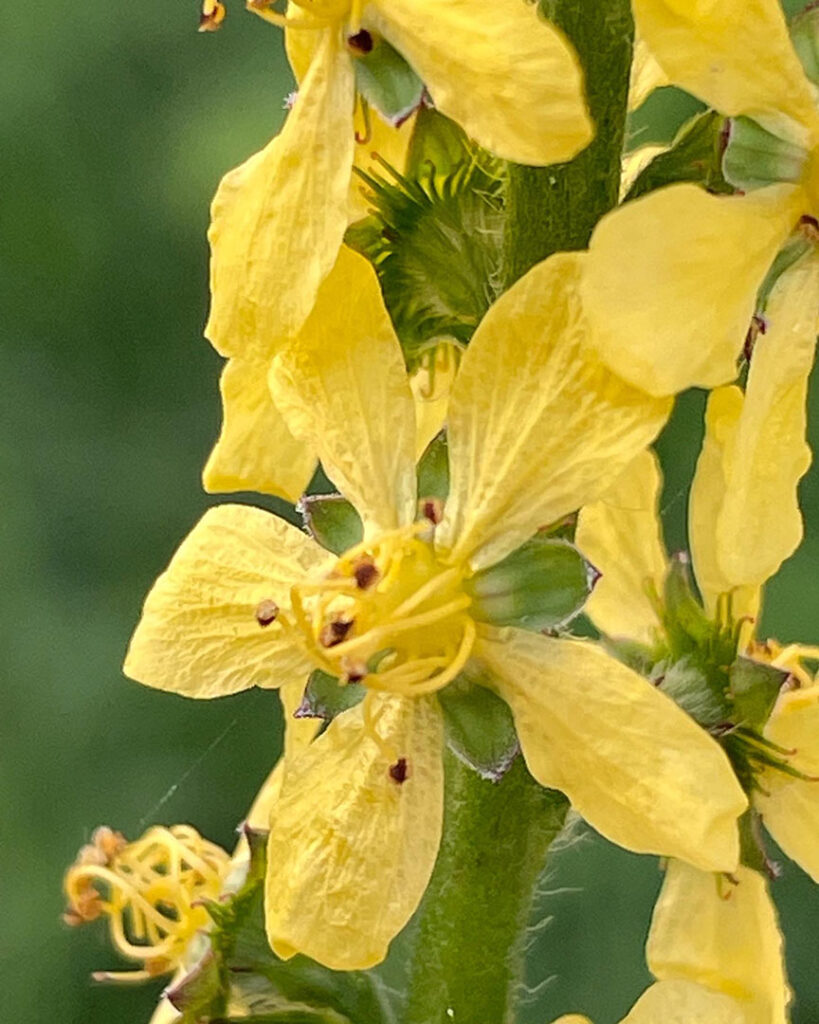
{"x":564,"y":386}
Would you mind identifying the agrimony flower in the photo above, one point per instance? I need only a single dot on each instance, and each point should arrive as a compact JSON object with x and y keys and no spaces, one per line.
{"x":278,"y":220}
{"x":744,"y":520}
{"x":673,"y":276}
{"x":535,"y":429}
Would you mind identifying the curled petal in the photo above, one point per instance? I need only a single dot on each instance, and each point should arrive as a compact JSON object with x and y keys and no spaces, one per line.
{"x":255,"y":450}
{"x":723,"y":935}
{"x":684,"y":1002}
{"x":278,"y":220}
{"x":352,"y":846}
{"x":622,"y":538}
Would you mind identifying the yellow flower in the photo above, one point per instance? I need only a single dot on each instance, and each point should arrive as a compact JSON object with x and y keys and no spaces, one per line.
{"x":278,"y":220}
{"x":716,"y":951}
{"x":673,"y":276}
{"x":744,"y":520}
{"x":535,"y":429}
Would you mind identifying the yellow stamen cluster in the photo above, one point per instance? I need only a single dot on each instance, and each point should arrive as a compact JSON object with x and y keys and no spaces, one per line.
{"x":151,"y":891}
{"x":390,"y":614}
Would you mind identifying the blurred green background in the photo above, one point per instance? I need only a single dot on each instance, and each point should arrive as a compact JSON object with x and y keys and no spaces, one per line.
{"x":116,"y":123}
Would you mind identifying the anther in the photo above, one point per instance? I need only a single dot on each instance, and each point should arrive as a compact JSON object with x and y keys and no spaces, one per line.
{"x":212,"y":16}
{"x":266,"y":612}
{"x":334,"y":632}
{"x":353,"y":671}
{"x":759,"y":325}
{"x":432,"y":509}
{"x":361,"y":43}
{"x":366,"y":574}
{"x":399,"y":771}
{"x":809,"y":228}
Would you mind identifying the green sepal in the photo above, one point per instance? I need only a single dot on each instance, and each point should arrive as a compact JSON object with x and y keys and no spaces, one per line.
{"x":754,"y":687}
{"x":480,"y":730}
{"x":689,"y":687}
{"x":325,"y":696}
{"x":797,"y":246}
{"x":387,"y":82}
{"x":433,"y":470}
{"x":756,"y":157}
{"x":804,"y":31}
{"x":332,"y":521}
{"x":436,"y":242}
{"x":542,"y":585}
{"x":686,"y":624}
{"x":632,"y":653}
{"x":695,"y":156}
{"x":200,"y":995}
{"x":751,"y":850}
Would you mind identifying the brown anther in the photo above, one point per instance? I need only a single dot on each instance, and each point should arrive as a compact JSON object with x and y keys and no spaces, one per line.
{"x":399,"y":772}
{"x":157,"y":965}
{"x":266,"y":612}
{"x":759,"y":325}
{"x":361,"y":43}
{"x":809,"y":228}
{"x":334,"y":632}
{"x":432,"y":509}
{"x":353,"y":671}
{"x":108,"y":842}
{"x":366,"y":574}
{"x":86,"y":906}
{"x":212,"y":16}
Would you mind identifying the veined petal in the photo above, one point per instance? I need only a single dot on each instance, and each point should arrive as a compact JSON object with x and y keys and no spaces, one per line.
{"x":299,"y":733}
{"x":708,"y":491}
{"x":736,"y":55}
{"x":760,"y":524}
{"x":352,"y":849}
{"x":789,"y":806}
{"x":646,"y":75}
{"x":464,"y":50}
{"x":537,"y":425}
{"x":665,"y":314}
{"x":278,"y":220}
{"x":722,"y":935}
{"x":631,"y":762}
{"x":684,"y":1002}
{"x":342,"y":388}
{"x":255,"y":450}
{"x":622,"y":538}
{"x":430,"y":391}
{"x":199,"y":635}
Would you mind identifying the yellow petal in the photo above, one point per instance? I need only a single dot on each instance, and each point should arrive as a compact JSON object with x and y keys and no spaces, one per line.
{"x":665,"y":312}
{"x":279,"y":218}
{"x":708,"y":491}
{"x":760,"y":524}
{"x":537,"y":426}
{"x":431,"y":388}
{"x":683,"y":1002}
{"x":646,"y":75}
{"x":255,"y":450}
{"x":736,"y":55}
{"x":723,"y":936}
{"x":299,"y":733}
{"x":464,"y":51}
{"x":199,"y":635}
{"x":621,"y":537}
{"x":631,"y":762}
{"x":634,"y":163}
{"x":343,"y":390}
{"x":352,"y":850}
{"x":791,"y":810}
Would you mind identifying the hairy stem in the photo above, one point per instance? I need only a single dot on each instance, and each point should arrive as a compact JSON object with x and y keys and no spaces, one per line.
{"x":554,"y":209}
{"x":468,"y":951}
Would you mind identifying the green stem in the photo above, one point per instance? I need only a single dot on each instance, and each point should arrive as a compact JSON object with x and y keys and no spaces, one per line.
{"x":468,"y":953}
{"x":555,"y":209}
